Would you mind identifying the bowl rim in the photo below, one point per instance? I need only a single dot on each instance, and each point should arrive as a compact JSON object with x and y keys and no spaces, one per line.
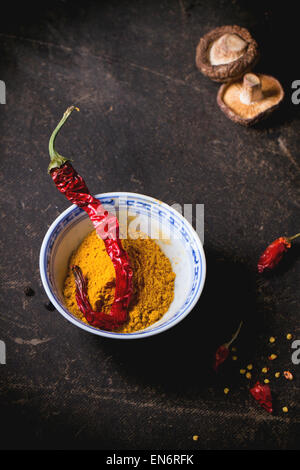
{"x":138,"y":334}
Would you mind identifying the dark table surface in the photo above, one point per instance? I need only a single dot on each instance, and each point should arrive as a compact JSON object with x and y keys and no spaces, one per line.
{"x":149,"y":123}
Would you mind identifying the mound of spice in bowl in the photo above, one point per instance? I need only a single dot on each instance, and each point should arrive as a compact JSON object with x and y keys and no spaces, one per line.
{"x":153,"y":280}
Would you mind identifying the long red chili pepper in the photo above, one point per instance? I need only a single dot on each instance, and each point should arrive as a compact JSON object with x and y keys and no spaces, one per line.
{"x":274,"y":253}
{"x":72,"y":185}
{"x":222,"y":352}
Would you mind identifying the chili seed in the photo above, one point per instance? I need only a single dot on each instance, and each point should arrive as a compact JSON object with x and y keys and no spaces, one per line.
{"x":234,"y":358}
{"x":285,"y":409}
{"x":49,"y":306}
{"x":28,"y":291}
{"x":226,"y":390}
{"x":272,"y":357}
{"x":272,"y":339}
{"x":289,"y":336}
{"x":233,"y":349}
{"x":195,"y":438}
{"x":288,"y":375}
{"x":242,"y":371}
{"x":248,"y":375}
{"x":249,"y":366}
{"x":264,"y":370}
{"x":277,"y":374}
{"x":267,"y":381}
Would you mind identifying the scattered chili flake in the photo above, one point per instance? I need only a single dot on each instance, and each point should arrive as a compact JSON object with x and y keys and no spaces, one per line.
{"x":265,"y":370}
{"x":195,"y":438}
{"x":249,"y":366}
{"x":223,"y":351}
{"x":277,"y":375}
{"x":274,"y":253}
{"x":288,"y":375}
{"x":226,"y":390}
{"x":289,"y":336}
{"x":262,"y":394}
{"x":272,"y":339}
{"x":242,"y":371}
{"x":267,"y":381}
{"x":28,"y":291}
{"x":272,"y":357}
{"x":285,"y":409}
{"x":49,"y":306}
{"x":248,"y":375}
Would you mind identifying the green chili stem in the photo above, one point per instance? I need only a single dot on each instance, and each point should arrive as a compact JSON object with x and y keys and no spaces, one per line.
{"x":234,"y":336}
{"x":293,"y":238}
{"x":58,"y":160}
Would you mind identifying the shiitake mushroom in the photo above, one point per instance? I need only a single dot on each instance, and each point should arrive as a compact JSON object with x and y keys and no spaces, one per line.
{"x":250,"y":99}
{"x":226,"y":53}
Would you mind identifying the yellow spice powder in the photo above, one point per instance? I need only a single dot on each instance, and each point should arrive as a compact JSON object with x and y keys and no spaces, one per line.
{"x":153,"y":280}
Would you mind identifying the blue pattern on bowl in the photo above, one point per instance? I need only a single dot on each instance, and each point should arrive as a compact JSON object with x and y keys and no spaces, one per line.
{"x":141,"y":205}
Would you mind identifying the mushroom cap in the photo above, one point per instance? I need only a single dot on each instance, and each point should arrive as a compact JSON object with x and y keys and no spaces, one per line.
{"x":229,"y":100}
{"x":233,"y":69}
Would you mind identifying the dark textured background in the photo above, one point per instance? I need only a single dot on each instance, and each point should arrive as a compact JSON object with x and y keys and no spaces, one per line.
{"x":149,"y":123}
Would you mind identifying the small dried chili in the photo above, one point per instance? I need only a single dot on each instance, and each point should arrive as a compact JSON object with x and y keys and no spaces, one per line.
{"x":72,"y":185}
{"x":274,"y":253}
{"x":223,"y":351}
{"x":262,"y":394}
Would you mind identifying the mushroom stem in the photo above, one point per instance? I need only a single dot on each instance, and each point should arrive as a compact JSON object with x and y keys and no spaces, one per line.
{"x":251,"y":89}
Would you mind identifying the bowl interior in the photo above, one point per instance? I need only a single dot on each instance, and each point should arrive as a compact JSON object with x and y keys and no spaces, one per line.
{"x":172,"y":232}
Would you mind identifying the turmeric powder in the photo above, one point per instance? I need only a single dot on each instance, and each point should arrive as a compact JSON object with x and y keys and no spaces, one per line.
{"x":153,"y":280}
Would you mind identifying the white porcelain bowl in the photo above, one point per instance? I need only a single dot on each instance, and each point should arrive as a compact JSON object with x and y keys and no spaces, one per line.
{"x":182,"y":246}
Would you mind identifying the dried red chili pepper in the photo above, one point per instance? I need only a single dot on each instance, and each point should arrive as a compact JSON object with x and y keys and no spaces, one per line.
{"x":223,"y":351}
{"x":262,"y":394}
{"x":274,"y":253}
{"x":98,"y":319}
{"x":72,"y":185}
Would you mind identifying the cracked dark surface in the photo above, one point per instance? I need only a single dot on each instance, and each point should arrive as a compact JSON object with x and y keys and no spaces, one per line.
{"x":149,"y":123}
